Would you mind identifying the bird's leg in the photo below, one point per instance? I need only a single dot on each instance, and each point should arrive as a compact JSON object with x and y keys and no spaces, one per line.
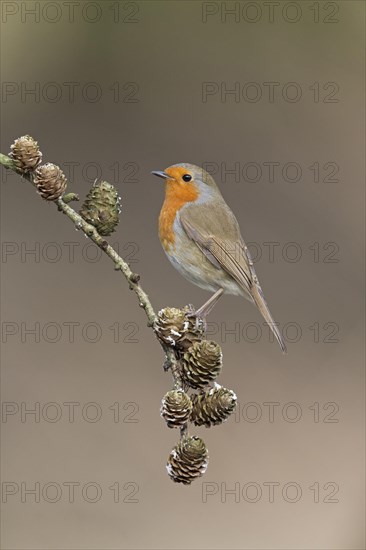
{"x":204,"y":310}
{"x":201,"y":313}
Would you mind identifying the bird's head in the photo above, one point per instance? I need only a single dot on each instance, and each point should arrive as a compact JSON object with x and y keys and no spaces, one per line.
{"x":188,"y":182}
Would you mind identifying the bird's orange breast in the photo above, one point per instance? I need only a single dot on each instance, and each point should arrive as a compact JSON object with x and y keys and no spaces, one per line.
{"x":176,"y":196}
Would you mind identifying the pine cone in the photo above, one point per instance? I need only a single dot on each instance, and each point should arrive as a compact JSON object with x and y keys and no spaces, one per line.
{"x":50,"y":181}
{"x":101,"y":208}
{"x":26,"y":152}
{"x":175,"y":328}
{"x":202,"y":363}
{"x":213,"y":407}
{"x":188,"y":460}
{"x":176,"y":408}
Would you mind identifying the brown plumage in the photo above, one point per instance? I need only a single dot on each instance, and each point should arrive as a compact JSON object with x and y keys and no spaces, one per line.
{"x":202,"y":238}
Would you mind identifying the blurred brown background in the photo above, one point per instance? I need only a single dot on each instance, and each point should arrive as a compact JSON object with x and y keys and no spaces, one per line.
{"x":119,"y":90}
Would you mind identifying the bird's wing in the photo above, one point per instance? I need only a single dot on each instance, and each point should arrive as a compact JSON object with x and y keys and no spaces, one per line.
{"x":216,"y":232}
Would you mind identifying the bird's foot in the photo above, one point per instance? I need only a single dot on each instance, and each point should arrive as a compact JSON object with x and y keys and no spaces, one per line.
{"x":201,"y":313}
{"x":200,"y":319}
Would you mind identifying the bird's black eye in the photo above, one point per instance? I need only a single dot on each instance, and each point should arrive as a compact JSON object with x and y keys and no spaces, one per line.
{"x":187,"y":177}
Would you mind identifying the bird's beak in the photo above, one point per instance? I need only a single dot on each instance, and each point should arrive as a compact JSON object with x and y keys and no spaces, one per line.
{"x":161,"y":174}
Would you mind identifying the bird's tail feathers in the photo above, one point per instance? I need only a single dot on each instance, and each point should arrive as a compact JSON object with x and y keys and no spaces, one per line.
{"x":260,"y":301}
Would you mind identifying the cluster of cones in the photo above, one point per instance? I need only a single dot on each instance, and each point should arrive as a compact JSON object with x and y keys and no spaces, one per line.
{"x":197,"y":401}
{"x":101,"y":207}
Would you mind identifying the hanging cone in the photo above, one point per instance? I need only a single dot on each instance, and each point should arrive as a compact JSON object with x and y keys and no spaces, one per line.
{"x":26,"y":153}
{"x":202,"y":363}
{"x":50,"y":181}
{"x":213,"y":406}
{"x":188,"y":460}
{"x":175,"y":328}
{"x":176,"y":408}
{"x":101,"y":208}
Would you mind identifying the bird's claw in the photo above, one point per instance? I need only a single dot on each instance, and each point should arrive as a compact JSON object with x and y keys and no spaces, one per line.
{"x":200,"y":321}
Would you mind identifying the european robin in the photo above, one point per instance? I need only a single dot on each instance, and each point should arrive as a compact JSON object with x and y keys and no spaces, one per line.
{"x":202,"y":239}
